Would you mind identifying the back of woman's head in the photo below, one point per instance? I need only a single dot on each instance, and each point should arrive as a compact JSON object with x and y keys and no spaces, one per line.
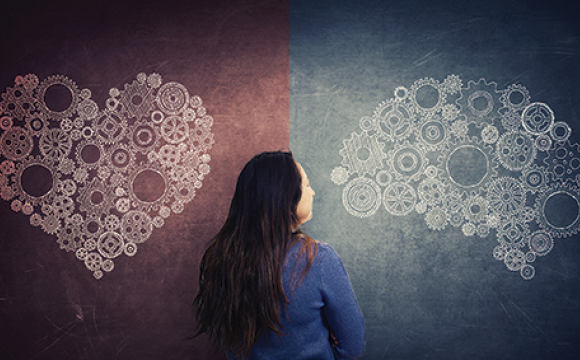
{"x":267,"y":193}
{"x":240,"y":282}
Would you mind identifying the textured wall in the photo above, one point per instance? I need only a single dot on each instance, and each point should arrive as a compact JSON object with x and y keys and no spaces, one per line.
{"x":456,"y":221}
{"x":109,"y":196}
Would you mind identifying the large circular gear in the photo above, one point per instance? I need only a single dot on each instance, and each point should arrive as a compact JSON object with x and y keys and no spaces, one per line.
{"x":362,"y":154}
{"x":558,"y":209}
{"x":361,"y":197}
{"x":515,"y":150}
{"x":35,"y":180}
{"x":479,"y":102}
{"x":512,"y":233}
{"x":467,"y":166}
{"x":58,"y":80}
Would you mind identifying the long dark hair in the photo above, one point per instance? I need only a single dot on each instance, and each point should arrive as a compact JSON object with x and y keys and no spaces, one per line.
{"x":240,"y":280}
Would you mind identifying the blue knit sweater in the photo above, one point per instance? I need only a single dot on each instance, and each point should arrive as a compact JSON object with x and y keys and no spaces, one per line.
{"x":323,"y":300}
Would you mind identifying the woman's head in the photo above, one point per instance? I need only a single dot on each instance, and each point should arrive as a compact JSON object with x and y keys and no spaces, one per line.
{"x":272,"y":188}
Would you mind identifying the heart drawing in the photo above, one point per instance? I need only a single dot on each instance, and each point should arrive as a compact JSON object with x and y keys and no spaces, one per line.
{"x":101,"y":180}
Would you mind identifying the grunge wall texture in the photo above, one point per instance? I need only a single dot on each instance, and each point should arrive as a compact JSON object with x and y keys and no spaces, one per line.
{"x":455,"y":248}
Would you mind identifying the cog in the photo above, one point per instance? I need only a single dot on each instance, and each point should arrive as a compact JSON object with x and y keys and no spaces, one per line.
{"x":136,"y":226}
{"x":515,"y":150}
{"x":55,"y":144}
{"x":16,"y":143}
{"x":512,"y":233}
{"x":489,"y":134}
{"x":514,"y":259}
{"x":393,"y":120}
{"x":422,"y":96}
{"x":361,"y":197}
{"x":433,"y":134}
{"x":431,"y":191}
{"x":558,"y":209}
{"x":515,"y":97}
{"x":467,"y":166}
{"x":563,"y":161}
{"x":452,"y":84}
{"x":506,"y":197}
{"x":436,"y":219}
{"x":407,"y":162}
{"x":537,"y":118}
{"x":362,"y":154}
{"x":479,"y":102}
{"x":339,"y":175}
{"x":137,"y":99}
{"x":58,"y":80}
{"x":560,"y":131}
{"x":399,"y":198}
{"x":172,"y":98}
{"x":533,"y":178}
{"x":476,"y":209}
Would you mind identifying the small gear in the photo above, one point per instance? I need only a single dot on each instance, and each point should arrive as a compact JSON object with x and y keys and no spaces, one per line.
{"x":515,"y":97}
{"x":537,"y":118}
{"x":407,"y":162}
{"x":399,"y":198}
{"x":479,"y":102}
{"x":563,"y":161}
{"x":361,"y":197}
{"x":393,"y":120}
{"x":362,"y":154}
{"x":515,"y":150}
{"x":436,"y":219}
{"x":427,"y":96}
{"x":506,"y":197}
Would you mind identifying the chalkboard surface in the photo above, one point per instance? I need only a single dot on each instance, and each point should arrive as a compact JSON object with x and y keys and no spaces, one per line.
{"x":124,"y":126}
{"x":389,"y":102}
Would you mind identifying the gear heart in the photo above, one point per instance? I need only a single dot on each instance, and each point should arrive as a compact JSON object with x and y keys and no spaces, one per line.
{"x":101,"y":180}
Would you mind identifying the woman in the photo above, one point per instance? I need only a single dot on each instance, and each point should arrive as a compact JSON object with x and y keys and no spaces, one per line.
{"x":266,"y":289}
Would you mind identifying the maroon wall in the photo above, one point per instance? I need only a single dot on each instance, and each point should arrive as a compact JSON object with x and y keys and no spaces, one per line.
{"x":233,"y":54}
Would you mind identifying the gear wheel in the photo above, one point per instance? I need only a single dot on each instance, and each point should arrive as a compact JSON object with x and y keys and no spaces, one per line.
{"x":422,"y":96}
{"x":362,"y":154}
{"x":467,"y":166}
{"x":515,"y":150}
{"x":558,"y":209}
{"x":479,"y":102}
{"x":393,"y":120}
{"x":563,"y":161}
